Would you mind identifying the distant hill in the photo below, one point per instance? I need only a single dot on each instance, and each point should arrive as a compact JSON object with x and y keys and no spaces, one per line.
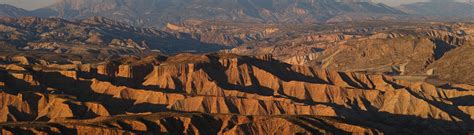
{"x":54,"y":34}
{"x":158,"y":12}
{"x":441,"y":9}
{"x":12,"y":11}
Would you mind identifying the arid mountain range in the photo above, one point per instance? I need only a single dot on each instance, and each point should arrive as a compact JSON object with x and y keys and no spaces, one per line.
{"x":156,"y":13}
{"x":235,"y":67}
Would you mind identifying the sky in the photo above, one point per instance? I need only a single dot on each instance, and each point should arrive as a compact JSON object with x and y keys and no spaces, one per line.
{"x":34,"y":4}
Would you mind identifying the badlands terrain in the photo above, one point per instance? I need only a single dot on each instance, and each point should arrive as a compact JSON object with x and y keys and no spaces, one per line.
{"x":265,"y":67}
{"x":367,"y":77}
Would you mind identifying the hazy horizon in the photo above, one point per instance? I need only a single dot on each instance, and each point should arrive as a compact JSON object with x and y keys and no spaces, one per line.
{"x":28,"y":4}
{"x":34,"y":4}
